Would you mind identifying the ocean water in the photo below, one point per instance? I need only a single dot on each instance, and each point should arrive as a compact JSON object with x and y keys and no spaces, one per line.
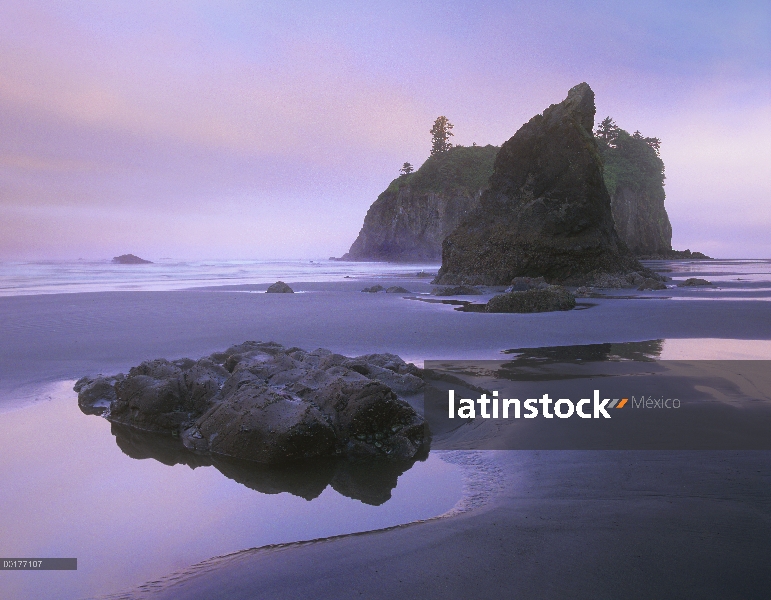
{"x":736,"y":279}
{"x":55,"y":277}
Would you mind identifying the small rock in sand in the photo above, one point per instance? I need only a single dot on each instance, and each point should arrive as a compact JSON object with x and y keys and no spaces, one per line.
{"x":130,"y":259}
{"x":280,"y":288}
{"x":535,"y":300}
{"x":651,"y":284}
{"x":694,"y":281}
{"x":374,"y":289}
{"x":583,"y":292}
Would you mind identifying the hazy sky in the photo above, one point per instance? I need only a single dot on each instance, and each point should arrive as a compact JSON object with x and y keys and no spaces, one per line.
{"x":266,"y":129}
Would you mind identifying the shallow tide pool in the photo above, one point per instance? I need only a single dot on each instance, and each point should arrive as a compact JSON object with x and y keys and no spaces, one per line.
{"x":71,"y":489}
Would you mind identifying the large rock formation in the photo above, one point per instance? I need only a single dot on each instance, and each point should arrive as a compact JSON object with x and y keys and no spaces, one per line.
{"x":546,"y":212}
{"x":269,"y":404}
{"x":409,"y":221}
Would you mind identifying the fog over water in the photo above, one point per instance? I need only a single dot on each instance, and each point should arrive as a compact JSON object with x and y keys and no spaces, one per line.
{"x":267,"y":129}
{"x":51,"y":277}
{"x":734,"y":279}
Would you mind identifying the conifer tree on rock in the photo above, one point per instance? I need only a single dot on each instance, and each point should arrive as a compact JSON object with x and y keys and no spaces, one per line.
{"x":440,"y":135}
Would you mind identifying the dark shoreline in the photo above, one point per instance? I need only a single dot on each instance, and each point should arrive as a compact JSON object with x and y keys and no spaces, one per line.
{"x":589,"y":524}
{"x":566,"y":525}
{"x":65,"y":336}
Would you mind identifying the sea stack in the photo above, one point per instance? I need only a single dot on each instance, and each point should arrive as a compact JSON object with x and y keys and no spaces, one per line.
{"x":546,"y":212}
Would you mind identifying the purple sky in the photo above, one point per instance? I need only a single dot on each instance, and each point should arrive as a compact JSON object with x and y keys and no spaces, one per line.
{"x":265,"y":130}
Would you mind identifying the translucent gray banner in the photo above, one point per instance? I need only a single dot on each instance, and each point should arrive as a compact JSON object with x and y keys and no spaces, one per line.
{"x":551,"y":403}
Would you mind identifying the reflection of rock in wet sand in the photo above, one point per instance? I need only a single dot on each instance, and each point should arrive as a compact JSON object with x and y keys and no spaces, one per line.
{"x":647,"y":350}
{"x":371,"y":482}
{"x":549,"y":363}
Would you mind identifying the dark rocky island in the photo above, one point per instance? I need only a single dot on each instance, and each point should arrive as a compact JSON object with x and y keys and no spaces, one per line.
{"x":265,"y":403}
{"x":410,"y":219}
{"x":547,"y":211}
{"x":130,"y":259}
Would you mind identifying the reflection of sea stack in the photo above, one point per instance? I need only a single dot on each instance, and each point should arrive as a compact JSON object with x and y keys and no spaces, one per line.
{"x":547,"y":211}
{"x":130,"y":259}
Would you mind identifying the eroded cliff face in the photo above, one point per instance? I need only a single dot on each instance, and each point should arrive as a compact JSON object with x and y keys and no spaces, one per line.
{"x":410,"y":226}
{"x":547,"y":211}
{"x":634,"y":176}
{"x":642,"y":221}
{"x":410,"y":220}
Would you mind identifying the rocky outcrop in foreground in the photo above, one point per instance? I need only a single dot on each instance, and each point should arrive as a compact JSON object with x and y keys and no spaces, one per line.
{"x":409,"y":221}
{"x":547,"y":212}
{"x":265,"y":403}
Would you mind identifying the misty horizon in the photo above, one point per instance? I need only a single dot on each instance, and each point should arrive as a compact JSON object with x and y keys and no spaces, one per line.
{"x":265,"y":133}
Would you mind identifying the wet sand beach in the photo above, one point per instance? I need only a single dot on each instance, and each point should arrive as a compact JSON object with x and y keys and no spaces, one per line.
{"x":553,"y":524}
{"x":65,"y":336}
{"x":564,"y":525}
